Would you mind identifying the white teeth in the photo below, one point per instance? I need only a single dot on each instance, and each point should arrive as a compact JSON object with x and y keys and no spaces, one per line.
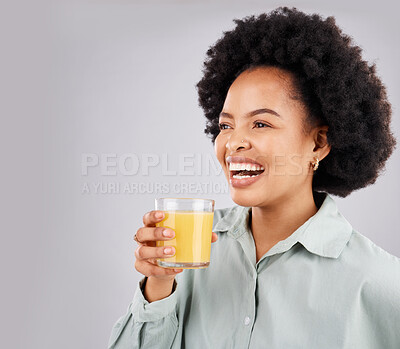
{"x":244,"y":166}
{"x":246,"y":176}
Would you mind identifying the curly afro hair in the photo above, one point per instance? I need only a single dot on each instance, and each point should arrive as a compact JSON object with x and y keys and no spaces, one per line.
{"x":337,"y":87}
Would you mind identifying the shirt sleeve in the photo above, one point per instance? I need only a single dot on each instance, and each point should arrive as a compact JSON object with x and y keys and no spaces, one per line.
{"x":146,"y":325}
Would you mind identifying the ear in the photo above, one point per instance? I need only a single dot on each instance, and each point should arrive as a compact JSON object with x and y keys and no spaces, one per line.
{"x":321,"y":145}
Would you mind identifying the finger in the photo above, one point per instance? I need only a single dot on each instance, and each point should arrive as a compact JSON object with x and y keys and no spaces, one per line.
{"x":151,"y":218}
{"x":145,"y":252}
{"x":148,"y":269}
{"x":144,"y":234}
{"x":214,"y":237}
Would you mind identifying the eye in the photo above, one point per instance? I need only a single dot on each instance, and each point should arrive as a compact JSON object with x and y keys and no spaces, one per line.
{"x":223,"y":126}
{"x":259,"y":124}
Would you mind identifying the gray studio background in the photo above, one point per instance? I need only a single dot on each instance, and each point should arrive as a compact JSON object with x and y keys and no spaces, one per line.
{"x":90,"y":84}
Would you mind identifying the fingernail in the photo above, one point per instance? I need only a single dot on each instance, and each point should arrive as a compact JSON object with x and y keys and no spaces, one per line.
{"x":168,"y":250}
{"x":168,"y":233}
{"x":159,"y":215}
{"x":178,"y":270}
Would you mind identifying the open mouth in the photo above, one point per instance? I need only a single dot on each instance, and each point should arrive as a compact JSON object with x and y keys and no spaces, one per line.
{"x":244,"y":170}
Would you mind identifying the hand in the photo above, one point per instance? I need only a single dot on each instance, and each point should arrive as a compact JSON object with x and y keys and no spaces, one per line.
{"x":147,"y":252}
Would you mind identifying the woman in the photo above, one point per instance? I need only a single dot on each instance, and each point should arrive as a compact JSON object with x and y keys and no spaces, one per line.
{"x":295,"y":115}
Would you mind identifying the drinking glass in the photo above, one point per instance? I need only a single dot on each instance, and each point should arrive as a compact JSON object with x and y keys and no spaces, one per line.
{"x":192,"y":220}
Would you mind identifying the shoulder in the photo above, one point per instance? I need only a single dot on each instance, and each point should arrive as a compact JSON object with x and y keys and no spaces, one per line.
{"x":377,"y":271}
{"x":370,"y":254}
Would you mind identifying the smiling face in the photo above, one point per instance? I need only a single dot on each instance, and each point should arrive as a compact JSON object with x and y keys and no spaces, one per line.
{"x":263,"y":150}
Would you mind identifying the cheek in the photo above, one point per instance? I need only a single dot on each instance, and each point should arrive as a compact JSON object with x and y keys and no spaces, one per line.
{"x":291,"y":143}
{"x":268,"y":147}
{"x":284,"y":154}
{"x":296,"y":158}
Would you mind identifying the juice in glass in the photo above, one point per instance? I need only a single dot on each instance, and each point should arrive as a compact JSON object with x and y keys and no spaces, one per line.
{"x":192,"y":220}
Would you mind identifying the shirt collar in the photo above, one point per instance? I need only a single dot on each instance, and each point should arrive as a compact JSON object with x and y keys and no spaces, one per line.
{"x":326,"y":233}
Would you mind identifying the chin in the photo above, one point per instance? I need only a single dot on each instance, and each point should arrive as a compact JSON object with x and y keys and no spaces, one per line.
{"x":246,"y":199}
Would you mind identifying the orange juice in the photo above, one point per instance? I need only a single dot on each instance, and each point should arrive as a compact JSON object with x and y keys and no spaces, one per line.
{"x":192,"y":239}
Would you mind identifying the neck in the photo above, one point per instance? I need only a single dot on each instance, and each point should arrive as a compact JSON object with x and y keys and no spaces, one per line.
{"x":273,"y":223}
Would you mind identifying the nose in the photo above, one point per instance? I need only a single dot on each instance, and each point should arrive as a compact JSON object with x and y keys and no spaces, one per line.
{"x":236,"y":142}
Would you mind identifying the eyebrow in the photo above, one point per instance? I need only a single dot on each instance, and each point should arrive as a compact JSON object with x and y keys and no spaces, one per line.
{"x":253,"y":113}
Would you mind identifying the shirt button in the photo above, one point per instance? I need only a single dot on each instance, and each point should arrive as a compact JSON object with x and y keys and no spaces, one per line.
{"x":246,"y":320}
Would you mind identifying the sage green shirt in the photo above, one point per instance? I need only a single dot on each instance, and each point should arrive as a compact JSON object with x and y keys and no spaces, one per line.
{"x":325,"y":286}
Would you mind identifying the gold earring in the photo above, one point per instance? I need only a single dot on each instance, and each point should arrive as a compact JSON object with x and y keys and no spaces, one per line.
{"x":315,"y":164}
